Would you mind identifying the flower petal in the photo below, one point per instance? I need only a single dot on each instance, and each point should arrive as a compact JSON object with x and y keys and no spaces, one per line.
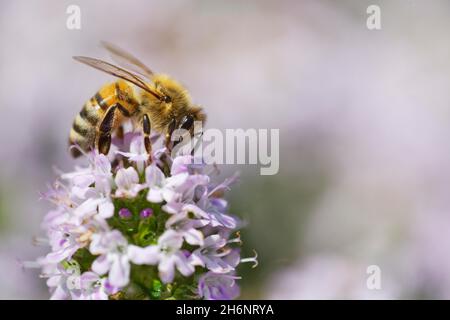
{"x":139,"y":255}
{"x":193,"y":237}
{"x":154,"y":176}
{"x":59,"y":294}
{"x":106,"y":209}
{"x":119,"y":274}
{"x":126,"y":178}
{"x":137,"y":145}
{"x":180,"y":164}
{"x":195,"y":259}
{"x":167,"y":269}
{"x":199,"y":213}
{"x":101,"y":265}
{"x":183,"y":265}
{"x":155,"y":195}
{"x":171,"y":239}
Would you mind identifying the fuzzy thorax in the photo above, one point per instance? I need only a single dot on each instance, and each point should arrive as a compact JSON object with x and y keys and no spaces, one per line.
{"x":161,"y":113}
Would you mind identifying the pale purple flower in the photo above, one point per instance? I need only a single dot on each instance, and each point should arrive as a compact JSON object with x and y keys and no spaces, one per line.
{"x":94,"y":182}
{"x":85,"y":210}
{"x":156,"y":182}
{"x":211,"y":254}
{"x":186,"y":227}
{"x":93,"y":287}
{"x":162,"y":188}
{"x":174,"y":187}
{"x":208,"y":211}
{"x":103,"y":207}
{"x":225,"y":185}
{"x":66,"y":231}
{"x":179,"y":187}
{"x":64,"y":244}
{"x":66,"y":234}
{"x":59,"y":195}
{"x":82,"y":181}
{"x":216,"y":210}
{"x":112,"y":248}
{"x":97,"y":174}
{"x":63,"y":282}
{"x":198,"y":230}
{"x":127,"y":181}
{"x":214,"y":286}
{"x":166,"y":254}
{"x":180,"y":211}
{"x":137,"y":153}
{"x":55,"y":218}
{"x":181,"y":165}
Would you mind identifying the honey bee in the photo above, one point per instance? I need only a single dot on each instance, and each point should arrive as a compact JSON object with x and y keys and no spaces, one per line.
{"x":151,"y":101}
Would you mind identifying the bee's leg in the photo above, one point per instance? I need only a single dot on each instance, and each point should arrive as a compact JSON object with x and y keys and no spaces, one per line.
{"x":170,"y":130}
{"x":120,"y":134}
{"x":106,"y":126}
{"x":104,"y":134}
{"x":146,"y":128}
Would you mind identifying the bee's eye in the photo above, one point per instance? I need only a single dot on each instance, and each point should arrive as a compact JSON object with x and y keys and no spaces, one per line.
{"x":166,"y":99}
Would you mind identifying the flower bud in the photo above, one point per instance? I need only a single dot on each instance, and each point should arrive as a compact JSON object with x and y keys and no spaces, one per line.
{"x":124,"y":213}
{"x":146,"y":213}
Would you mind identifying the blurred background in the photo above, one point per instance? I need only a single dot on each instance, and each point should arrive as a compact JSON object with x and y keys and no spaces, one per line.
{"x":364,"y":119}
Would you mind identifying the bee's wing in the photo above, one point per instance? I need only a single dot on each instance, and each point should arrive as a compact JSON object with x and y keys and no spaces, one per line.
{"x":127,"y":60}
{"x":116,"y":71}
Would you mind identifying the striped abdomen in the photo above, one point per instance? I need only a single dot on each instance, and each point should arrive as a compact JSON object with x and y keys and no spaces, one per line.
{"x":85,"y":126}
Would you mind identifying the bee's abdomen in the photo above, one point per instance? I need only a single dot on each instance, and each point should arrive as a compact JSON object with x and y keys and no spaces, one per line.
{"x":84,"y":126}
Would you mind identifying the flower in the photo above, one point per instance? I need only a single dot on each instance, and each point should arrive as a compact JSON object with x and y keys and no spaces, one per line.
{"x":112,"y":248}
{"x":137,"y":153}
{"x":96,"y":178}
{"x":125,"y":213}
{"x":155,"y":181}
{"x":166,"y":254}
{"x":179,"y":187}
{"x":63,"y":279}
{"x":211,"y":254}
{"x":186,"y":227}
{"x":147,"y":212}
{"x":93,"y":183}
{"x":64,"y":244}
{"x":132,"y":225}
{"x":93,"y":287}
{"x":213,"y":286}
{"x":127,"y":181}
{"x":216,"y":211}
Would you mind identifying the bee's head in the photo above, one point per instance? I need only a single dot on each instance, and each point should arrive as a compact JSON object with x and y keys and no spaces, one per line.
{"x":189,"y":122}
{"x":175,"y":97}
